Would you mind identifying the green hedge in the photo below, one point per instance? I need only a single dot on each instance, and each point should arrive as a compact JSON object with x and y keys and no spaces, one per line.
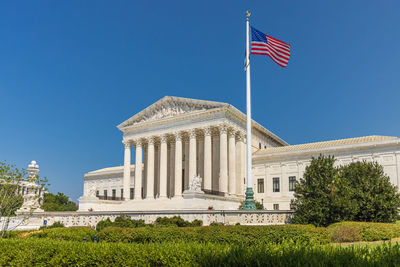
{"x":75,"y":234}
{"x":15,"y":233}
{"x":176,"y":221}
{"x":218,"y":234}
{"x":126,"y":222}
{"x":36,"y":252}
{"x":363,"y":231}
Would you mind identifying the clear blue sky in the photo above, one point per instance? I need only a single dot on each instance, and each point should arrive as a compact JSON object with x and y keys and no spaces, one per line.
{"x":70,"y":71}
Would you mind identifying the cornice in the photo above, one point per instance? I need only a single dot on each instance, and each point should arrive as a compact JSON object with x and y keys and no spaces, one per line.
{"x":228,"y":111}
{"x":328,"y":150}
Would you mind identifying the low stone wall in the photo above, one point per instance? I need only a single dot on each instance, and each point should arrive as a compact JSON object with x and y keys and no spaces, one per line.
{"x":227,"y":217}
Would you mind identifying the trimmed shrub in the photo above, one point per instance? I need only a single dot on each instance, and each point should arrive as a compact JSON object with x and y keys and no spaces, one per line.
{"x":36,"y":252}
{"x":246,"y":235}
{"x":126,"y":222}
{"x":176,"y":221}
{"x":121,"y":221}
{"x":54,"y":225}
{"x":75,"y":234}
{"x":216,"y":224}
{"x":364,"y":231}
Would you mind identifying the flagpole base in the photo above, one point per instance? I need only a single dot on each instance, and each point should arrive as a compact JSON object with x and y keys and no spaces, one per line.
{"x":249,"y":203}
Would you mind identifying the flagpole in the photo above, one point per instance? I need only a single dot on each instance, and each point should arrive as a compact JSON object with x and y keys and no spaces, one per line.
{"x":249,"y":203}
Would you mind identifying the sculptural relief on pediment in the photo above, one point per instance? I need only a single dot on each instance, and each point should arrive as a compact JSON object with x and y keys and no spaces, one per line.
{"x":166,"y":111}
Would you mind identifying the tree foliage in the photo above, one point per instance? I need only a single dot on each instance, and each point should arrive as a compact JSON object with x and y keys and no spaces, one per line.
{"x":359,"y":191}
{"x":59,"y":202}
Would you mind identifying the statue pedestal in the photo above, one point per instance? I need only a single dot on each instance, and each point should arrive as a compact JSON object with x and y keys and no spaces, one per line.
{"x":189,"y":194}
{"x":30,"y":204}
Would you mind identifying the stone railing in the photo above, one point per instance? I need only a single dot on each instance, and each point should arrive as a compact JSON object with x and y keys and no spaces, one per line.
{"x":227,"y":217}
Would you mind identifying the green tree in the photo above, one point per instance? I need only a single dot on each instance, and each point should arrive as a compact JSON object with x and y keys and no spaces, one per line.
{"x":359,"y":191}
{"x":368,"y":192}
{"x":59,"y":202}
{"x":315,"y":192}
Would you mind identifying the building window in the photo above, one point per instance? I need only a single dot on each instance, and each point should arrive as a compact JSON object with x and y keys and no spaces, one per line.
{"x":131,"y":195}
{"x":260,"y":185}
{"x":105,"y":194}
{"x":275,"y":184}
{"x":292,"y":183}
{"x":97,"y":193}
{"x":122,"y":193}
{"x":276,"y":206}
{"x":114,"y":194}
{"x":259,"y":145}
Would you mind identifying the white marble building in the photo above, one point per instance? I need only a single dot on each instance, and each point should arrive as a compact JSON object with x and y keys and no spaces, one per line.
{"x":190,"y":155}
{"x":275,"y":170}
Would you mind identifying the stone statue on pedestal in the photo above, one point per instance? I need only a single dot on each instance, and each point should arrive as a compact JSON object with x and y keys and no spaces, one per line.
{"x":195,"y":185}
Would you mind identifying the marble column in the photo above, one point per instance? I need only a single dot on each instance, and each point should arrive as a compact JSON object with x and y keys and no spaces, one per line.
{"x":178,"y":165}
{"x":163,"y":166}
{"x":192,"y":154}
{"x":138,"y":170}
{"x":127,"y":170}
{"x":171,"y":168}
{"x":223,"y":164}
{"x":150,"y":169}
{"x":232,"y":163}
{"x":240,"y":163}
{"x":207,"y":160}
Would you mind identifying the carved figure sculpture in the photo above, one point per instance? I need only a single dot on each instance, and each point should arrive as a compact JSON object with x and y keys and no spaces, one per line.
{"x":195,"y":184}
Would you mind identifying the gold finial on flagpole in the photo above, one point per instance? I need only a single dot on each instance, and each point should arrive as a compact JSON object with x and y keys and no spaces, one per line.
{"x":248,"y":13}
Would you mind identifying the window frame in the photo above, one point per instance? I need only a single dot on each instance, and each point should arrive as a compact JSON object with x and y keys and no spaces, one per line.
{"x":292,"y":184}
{"x":258,"y":186}
{"x":276,"y":189}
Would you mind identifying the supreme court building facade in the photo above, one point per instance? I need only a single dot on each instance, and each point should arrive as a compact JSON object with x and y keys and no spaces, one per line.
{"x":191,"y":155}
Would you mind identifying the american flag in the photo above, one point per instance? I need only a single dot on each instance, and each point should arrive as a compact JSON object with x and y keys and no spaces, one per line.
{"x":262,"y":44}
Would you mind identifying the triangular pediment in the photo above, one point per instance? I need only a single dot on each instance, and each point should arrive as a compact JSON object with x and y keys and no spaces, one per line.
{"x":168,"y":107}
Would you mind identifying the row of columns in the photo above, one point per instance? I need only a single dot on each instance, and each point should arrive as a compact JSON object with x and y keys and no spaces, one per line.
{"x":227,"y":177}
